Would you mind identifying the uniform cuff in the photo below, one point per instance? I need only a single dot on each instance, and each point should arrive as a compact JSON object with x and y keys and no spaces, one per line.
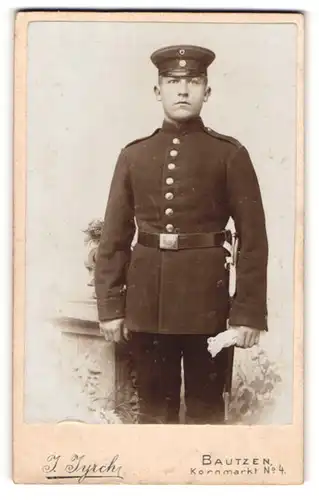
{"x":242,"y":317}
{"x":111,"y":308}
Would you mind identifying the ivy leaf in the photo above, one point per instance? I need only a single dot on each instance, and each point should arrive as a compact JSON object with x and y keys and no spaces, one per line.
{"x":271,"y":374}
{"x":247,"y":395}
{"x":257,"y":384}
{"x":263,"y":389}
{"x":269,"y":387}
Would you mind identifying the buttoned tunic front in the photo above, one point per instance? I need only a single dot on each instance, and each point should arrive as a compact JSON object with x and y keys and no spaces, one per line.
{"x":185,"y":179}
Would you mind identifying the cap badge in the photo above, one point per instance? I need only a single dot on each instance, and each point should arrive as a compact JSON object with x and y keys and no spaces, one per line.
{"x":182,"y":63}
{"x":181,"y":52}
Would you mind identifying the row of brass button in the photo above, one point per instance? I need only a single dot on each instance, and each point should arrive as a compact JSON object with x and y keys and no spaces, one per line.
{"x":170,"y":181}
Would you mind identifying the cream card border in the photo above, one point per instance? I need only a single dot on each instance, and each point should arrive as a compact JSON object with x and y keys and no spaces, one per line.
{"x":152,"y":454}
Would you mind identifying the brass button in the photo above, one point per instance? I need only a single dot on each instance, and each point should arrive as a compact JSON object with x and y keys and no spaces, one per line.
{"x":169,"y":181}
{"x":176,"y":140}
{"x":169,"y":211}
{"x":171,"y":166}
{"x":173,"y":152}
{"x":169,"y":228}
{"x":169,"y":196}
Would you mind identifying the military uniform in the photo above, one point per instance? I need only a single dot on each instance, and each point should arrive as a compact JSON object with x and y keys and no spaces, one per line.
{"x":179,"y":187}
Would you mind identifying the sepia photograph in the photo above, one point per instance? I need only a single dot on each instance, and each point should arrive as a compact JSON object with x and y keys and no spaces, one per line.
{"x":160,"y":178}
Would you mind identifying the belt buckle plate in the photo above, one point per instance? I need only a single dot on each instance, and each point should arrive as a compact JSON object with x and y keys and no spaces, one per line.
{"x":168,"y":241}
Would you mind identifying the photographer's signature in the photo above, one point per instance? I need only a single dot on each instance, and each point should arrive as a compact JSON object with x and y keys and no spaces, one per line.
{"x":77,"y":467}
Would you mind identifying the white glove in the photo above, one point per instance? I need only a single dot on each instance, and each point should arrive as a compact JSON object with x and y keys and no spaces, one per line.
{"x":241,"y":336}
{"x":223,"y":339}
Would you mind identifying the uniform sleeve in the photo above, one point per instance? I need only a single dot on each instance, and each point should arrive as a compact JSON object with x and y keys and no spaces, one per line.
{"x":114,"y":250}
{"x":249,"y":307}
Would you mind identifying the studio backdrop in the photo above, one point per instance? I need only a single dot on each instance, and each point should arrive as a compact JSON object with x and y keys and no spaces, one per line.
{"x":89,"y":93}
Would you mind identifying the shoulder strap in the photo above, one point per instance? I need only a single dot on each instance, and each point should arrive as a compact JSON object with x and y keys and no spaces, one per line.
{"x":222,"y":137}
{"x":142,"y":139}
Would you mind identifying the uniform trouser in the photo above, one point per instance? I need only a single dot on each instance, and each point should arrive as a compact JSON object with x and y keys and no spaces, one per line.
{"x":157,"y":362}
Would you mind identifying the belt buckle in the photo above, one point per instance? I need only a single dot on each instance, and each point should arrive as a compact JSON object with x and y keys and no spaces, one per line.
{"x":168,"y":241}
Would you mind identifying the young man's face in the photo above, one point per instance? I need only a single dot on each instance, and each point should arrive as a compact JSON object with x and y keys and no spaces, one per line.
{"x":182,"y":97}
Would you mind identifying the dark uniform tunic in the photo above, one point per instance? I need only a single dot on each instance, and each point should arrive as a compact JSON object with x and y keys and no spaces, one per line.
{"x":182,"y":180}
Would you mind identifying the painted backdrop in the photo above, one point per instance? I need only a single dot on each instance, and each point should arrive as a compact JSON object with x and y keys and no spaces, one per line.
{"x":89,"y":93}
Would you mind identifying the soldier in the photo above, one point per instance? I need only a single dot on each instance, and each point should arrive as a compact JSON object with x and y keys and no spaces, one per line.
{"x":180,"y":186}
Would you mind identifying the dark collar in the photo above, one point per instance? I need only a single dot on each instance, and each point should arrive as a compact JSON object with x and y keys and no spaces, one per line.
{"x":192,"y":125}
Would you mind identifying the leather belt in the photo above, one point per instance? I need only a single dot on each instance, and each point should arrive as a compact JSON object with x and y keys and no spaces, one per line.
{"x":182,"y":241}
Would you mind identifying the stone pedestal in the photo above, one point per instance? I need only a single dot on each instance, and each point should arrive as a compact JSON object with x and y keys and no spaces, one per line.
{"x":100,"y":371}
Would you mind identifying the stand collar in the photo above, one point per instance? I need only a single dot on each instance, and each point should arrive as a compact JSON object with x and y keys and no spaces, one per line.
{"x":184,"y":127}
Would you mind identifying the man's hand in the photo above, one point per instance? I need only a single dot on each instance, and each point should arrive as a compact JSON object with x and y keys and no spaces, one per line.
{"x":247,"y":337}
{"x":114,"y":330}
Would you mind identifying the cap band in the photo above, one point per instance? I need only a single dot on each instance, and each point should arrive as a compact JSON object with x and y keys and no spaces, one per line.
{"x":182,"y":66}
